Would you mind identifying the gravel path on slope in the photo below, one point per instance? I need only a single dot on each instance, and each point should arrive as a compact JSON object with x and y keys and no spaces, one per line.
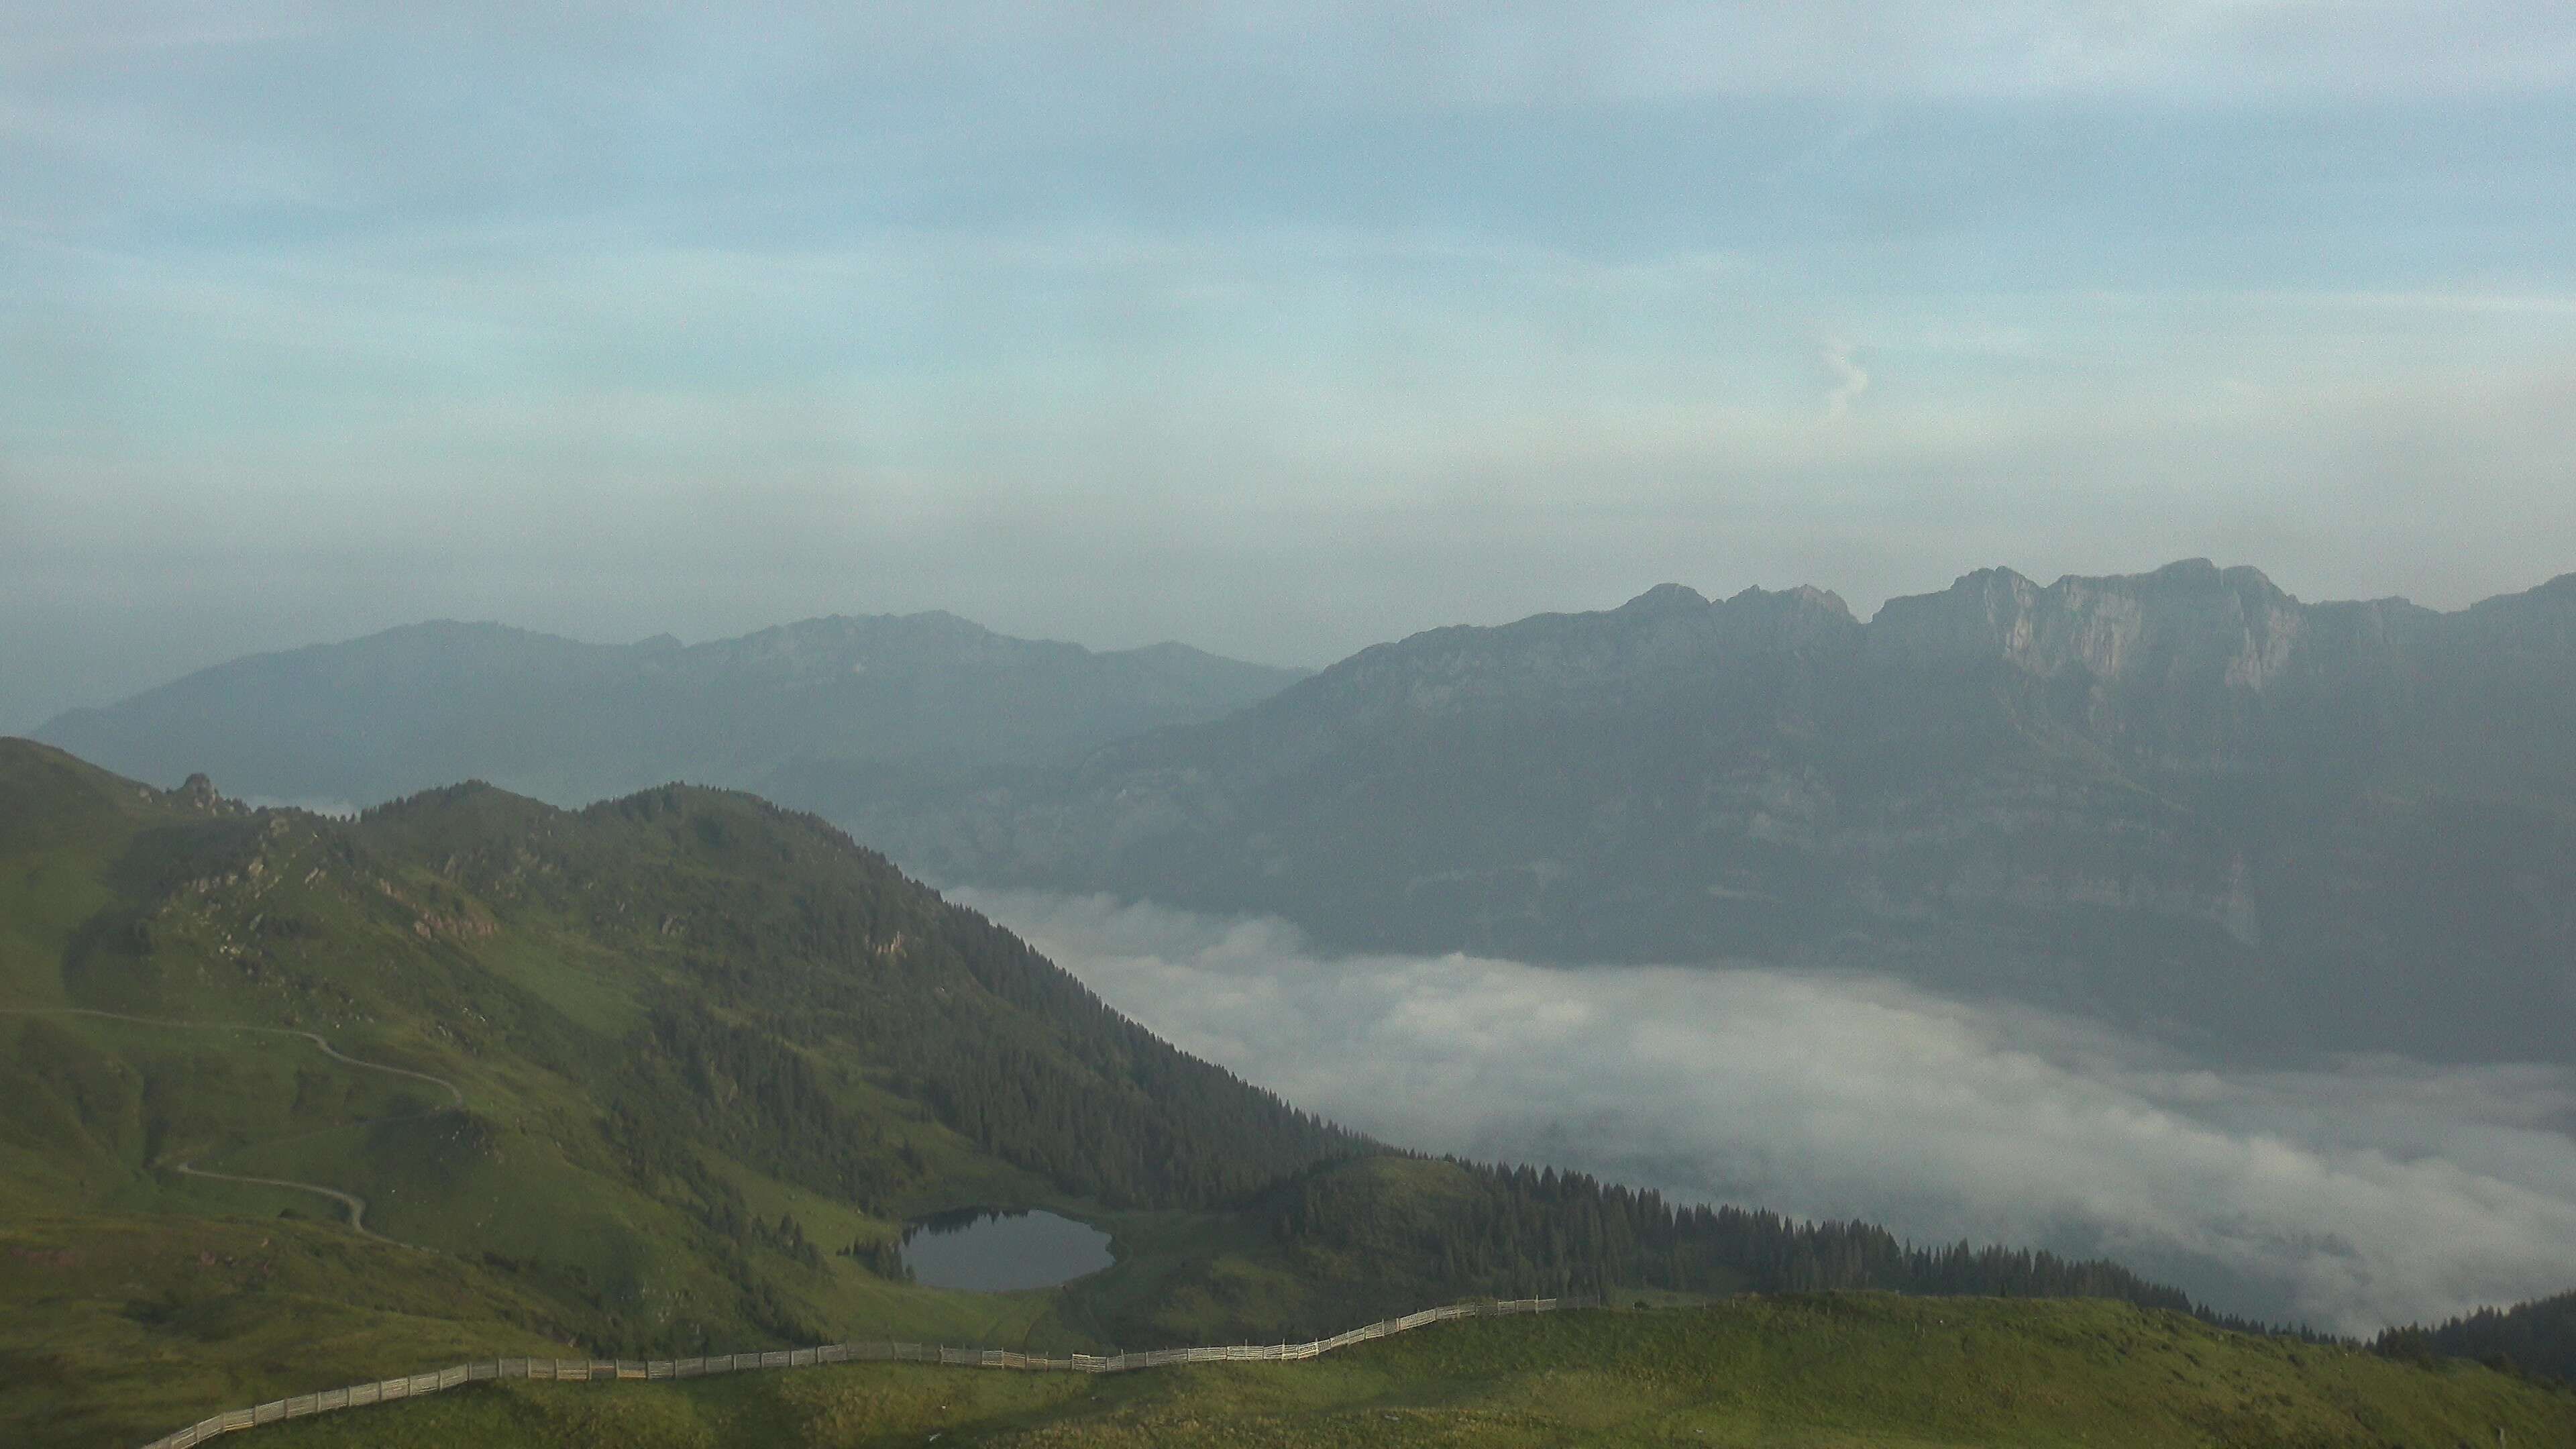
{"x":356,"y":1205}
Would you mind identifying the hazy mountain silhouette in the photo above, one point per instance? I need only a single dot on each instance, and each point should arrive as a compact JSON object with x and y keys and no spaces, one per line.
{"x":2182,"y":799}
{"x":807,"y":712}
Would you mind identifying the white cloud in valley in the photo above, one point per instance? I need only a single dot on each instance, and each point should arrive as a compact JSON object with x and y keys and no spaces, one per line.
{"x":2378,"y":1191}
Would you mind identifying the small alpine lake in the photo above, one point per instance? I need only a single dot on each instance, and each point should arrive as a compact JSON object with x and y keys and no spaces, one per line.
{"x":1000,"y":1250}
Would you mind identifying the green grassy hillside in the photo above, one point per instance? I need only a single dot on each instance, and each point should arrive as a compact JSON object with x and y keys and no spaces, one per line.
{"x":665,"y":1076}
{"x":1838,"y":1370}
{"x":711,"y":1055}
{"x":120,"y":1328}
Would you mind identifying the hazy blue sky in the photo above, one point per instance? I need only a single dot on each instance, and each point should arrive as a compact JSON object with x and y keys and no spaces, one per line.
{"x":1277,"y":328}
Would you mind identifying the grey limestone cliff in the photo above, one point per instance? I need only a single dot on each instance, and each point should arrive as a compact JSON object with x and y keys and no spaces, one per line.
{"x":2183,"y":799}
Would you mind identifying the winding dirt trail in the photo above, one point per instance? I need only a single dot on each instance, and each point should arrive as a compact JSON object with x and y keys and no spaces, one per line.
{"x":356,"y":1205}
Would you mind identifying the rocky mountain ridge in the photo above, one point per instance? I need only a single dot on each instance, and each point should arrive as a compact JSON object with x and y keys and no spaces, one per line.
{"x":2181,"y":797}
{"x":803,"y":710}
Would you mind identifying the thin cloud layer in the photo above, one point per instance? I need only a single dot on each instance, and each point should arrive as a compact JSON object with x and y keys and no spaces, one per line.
{"x":2382,"y":1191}
{"x":1494,"y":54}
{"x":1283,"y":328}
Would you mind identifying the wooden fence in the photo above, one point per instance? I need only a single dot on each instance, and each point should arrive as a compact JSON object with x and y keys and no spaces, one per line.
{"x":586,"y":1370}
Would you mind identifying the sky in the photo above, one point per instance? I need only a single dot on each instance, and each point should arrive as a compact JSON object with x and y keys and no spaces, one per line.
{"x":2372,"y":1192}
{"x":1277,"y":328}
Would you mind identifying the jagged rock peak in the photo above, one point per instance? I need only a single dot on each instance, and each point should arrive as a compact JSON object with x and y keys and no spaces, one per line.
{"x":1803,"y":597}
{"x":2190,"y":574}
{"x":1681,"y":598}
{"x":1979,"y":601}
{"x":1999,"y":579}
{"x":2183,"y":571}
{"x":1665,"y":597}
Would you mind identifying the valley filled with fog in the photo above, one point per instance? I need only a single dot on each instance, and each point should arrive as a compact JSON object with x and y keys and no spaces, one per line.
{"x":2372,"y":1191}
{"x":1880,"y":695}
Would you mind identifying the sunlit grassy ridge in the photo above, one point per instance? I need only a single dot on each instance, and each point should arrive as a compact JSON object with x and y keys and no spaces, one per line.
{"x":1831,"y":1370}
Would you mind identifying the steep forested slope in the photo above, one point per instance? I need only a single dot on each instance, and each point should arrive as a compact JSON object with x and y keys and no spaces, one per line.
{"x":1370,"y":1236}
{"x":2534,"y":1338}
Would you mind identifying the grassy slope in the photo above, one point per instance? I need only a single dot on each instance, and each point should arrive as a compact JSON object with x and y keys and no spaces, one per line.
{"x":403,"y":942}
{"x":119,"y":1328}
{"x":1844,"y":1370}
{"x":519,"y":951}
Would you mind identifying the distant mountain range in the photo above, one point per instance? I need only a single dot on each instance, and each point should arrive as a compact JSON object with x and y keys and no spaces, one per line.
{"x":2181,"y":799}
{"x":815,"y":712}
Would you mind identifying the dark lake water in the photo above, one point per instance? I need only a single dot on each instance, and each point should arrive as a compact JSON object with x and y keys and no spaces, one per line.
{"x":994,"y":1252}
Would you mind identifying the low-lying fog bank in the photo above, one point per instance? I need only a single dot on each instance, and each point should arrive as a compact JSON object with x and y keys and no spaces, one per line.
{"x":2382,"y":1191}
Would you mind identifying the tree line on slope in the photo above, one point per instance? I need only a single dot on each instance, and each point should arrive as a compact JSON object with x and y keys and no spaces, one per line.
{"x":2536,"y":1338}
{"x":1516,"y":1230}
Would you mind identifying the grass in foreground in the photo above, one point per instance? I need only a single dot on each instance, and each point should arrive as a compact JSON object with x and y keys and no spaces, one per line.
{"x":119,"y":1330}
{"x":1841,"y":1370}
